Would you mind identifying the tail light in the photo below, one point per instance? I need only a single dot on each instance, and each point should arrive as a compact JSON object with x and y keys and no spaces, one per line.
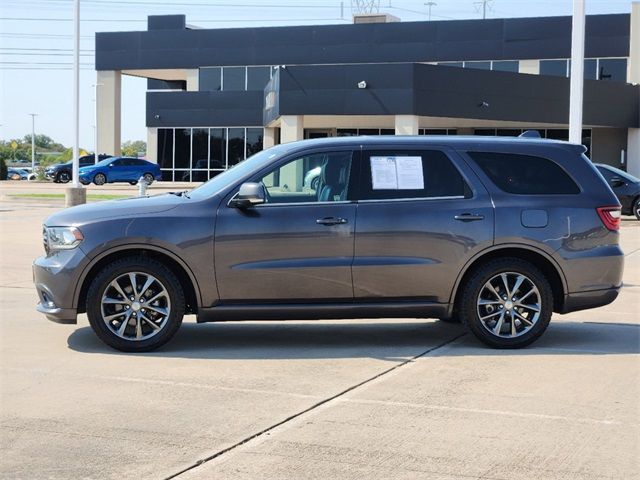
{"x":610,"y":217}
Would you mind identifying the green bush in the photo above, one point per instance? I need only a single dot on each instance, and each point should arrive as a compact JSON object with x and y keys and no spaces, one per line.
{"x":3,"y":169}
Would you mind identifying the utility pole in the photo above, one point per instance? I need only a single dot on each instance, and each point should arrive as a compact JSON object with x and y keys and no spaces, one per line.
{"x":430,"y":4}
{"x":95,"y":126}
{"x":33,"y":142}
{"x":484,"y":4}
{"x":576,"y":82}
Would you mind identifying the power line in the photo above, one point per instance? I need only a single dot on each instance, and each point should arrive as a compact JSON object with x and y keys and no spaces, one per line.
{"x":193,"y":4}
{"x":111,"y":20}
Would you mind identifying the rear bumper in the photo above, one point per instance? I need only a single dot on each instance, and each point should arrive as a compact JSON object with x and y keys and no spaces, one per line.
{"x":592,"y":299}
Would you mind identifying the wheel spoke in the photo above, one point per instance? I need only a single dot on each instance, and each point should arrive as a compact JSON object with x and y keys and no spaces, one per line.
{"x":134,"y":285}
{"x":108,"y":318}
{"x":490,"y":316}
{"x":505,"y":281}
{"x":496,"y":329}
{"x":160,"y":310}
{"x":521,"y":299}
{"x":516,"y":286}
{"x":489,"y":302}
{"x":156,"y":296}
{"x":146,"y":286}
{"x":150,"y":322}
{"x":114,"y":301}
{"x":513,"y":323}
{"x":528,"y":322}
{"x":118,"y":288}
{"x":138,"y":328}
{"x":493,"y":290}
{"x":534,"y":307}
{"x":123,"y":325}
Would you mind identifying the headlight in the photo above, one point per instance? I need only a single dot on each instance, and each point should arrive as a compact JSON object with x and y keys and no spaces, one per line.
{"x":62,"y":238}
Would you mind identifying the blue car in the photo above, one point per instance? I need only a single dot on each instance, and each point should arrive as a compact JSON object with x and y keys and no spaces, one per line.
{"x":120,"y":169}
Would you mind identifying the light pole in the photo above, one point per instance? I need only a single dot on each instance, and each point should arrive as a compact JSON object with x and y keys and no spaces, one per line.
{"x":430,"y":4}
{"x":33,"y":142}
{"x":95,"y":126}
{"x":576,"y":83}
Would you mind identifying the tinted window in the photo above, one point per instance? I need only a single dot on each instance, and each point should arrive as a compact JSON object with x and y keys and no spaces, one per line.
{"x":320,"y":177}
{"x":418,"y":174}
{"x":506,"y":66}
{"x":236,"y":146}
{"x":613,"y":69}
{"x":200,"y":148}
{"x":557,"y":68}
{"x":478,"y":65}
{"x":525,"y":174}
{"x":210,"y":79}
{"x":183,"y":147}
{"x":258,"y":77}
{"x":233,"y":78}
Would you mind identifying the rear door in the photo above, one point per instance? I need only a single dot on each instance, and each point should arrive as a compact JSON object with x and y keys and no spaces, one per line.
{"x":422,"y":214}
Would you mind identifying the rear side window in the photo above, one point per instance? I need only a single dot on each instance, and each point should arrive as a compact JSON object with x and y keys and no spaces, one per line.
{"x":525,"y":174}
{"x":393,"y":174}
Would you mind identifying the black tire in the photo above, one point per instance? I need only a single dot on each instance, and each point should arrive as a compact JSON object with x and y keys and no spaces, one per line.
{"x":63,"y":177}
{"x":133,"y":183}
{"x":142,"y":266}
{"x":148,"y":177}
{"x":100,"y":179}
{"x":636,"y":208}
{"x":469,"y":307}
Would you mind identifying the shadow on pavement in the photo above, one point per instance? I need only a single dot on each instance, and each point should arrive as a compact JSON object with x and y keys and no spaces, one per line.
{"x":390,"y":340}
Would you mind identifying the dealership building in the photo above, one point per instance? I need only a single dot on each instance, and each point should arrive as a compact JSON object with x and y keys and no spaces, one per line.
{"x":216,"y":96}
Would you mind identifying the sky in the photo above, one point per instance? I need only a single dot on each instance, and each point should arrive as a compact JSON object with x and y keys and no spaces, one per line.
{"x":36,"y":46}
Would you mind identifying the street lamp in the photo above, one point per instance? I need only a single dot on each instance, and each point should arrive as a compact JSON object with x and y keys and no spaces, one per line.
{"x":33,"y":142}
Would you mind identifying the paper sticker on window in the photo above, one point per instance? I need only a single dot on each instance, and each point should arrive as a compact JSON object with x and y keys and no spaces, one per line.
{"x":397,"y":173}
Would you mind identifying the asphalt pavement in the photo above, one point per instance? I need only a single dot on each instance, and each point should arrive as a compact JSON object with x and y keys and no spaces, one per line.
{"x":376,"y":399}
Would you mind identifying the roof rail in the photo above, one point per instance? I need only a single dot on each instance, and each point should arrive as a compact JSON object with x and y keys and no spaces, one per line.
{"x":530,"y":134}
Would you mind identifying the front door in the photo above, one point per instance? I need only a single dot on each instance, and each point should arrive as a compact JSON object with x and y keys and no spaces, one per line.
{"x":296,"y":247}
{"x":422,"y":214}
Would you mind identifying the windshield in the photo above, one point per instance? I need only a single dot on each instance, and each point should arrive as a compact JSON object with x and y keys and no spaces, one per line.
{"x":622,"y":173}
{"x":238,"y":171}
{"x":102,"y":163}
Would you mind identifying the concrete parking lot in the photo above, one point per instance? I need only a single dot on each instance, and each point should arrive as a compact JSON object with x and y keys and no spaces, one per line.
{"x":388,"y":399}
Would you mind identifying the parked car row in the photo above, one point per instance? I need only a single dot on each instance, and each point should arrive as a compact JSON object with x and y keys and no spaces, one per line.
{"x":19,"y":174}
{"x":625,"y":186}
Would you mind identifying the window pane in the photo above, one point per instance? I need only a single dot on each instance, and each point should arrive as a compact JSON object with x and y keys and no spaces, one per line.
{"x":451,"y":64}
{"x":478,"y":65}
{"x":200,"y":148}
{"x":167,"y":175}
{"x":440,"y":178}
{"x":525,"y":174}
{"x":258,"y":77}
{"x":209,"y":79}
{"x":508,"y":132}
{"x":233,"y":78}
{"x":254,"y":141}
{"x":165,"y":147}
{"x":506,"y":66}
{"x":236,"y":145}
{"x":433,"y":131}
{"x":387,"y":131}
{"x":218,"y":145}
{"x":182,"y":176}
{"x":369,"y":131}
{"x":183,"y":147}
{"x":557,"y":68}
{"x":614,"y":69}
{"x":347,"y":132}
{"x":314,"y":178}
{"x":485,"y":131}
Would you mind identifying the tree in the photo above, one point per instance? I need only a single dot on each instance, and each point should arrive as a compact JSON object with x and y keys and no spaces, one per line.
{"x":3,"y":169}
{"x":43,"y":141}
{"x":132,"y":148}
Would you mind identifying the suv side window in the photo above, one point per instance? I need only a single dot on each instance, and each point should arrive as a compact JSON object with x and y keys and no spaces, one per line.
{"x":322,"y":177}
{"x":408,"y":174}
{"x":525,"y":174}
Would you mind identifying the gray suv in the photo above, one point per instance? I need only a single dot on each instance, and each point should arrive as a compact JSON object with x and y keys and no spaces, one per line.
{"x":495,"y":232}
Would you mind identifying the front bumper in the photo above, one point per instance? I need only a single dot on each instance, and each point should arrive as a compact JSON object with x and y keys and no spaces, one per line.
{"x":55,"y":277}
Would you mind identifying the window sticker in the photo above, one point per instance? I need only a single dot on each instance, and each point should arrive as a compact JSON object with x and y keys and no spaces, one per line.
{"x":397,"y":173}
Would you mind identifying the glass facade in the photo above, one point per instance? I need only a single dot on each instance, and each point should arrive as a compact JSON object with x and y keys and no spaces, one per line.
{"x":251,"y":78}
{"x":497,"y":65}
{"x":613,"y":69}
{"x":198,"y":154}
{"x":352,"y":132}
{"x":551,"y":133}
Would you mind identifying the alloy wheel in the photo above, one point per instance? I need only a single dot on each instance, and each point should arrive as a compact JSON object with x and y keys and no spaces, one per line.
{"x":135,"y":306}
{"x":509,"y":305}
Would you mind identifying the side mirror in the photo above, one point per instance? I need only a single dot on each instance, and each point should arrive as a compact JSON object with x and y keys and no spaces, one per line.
{"x":616,"y":182}
{"x":250,"y":194}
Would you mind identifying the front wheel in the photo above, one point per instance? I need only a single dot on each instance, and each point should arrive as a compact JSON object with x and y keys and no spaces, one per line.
{"x":507,"y":303}
{"x":148,"y":178}
{"x":636,"y":208}
{"x":135,"y":304}
{"x":100,"y":179}
{"x":63,"y":177}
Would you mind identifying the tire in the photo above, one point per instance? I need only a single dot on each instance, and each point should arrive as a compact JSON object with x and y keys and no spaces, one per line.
{"x":133,"y":183}
{"x":100,"y":179}
{"x":636,"y":208}
{"x":148,"y":177}
{"x":484,"y":311}
{"x":154,"y":322}
{"x":63,"y":177}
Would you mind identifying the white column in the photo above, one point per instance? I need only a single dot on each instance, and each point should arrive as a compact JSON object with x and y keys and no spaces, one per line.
{"x":633,"y":74}
{"x":193,"y":80}
{"x":109,"y":107}
{"x":577,"y":72}
{"x":406,"y":125}
{"x":529,"y":66}
{"x":633,"y":151}
{"x":152,"y":144}
{"x":291,"y":128}
{"x":269,"y":138}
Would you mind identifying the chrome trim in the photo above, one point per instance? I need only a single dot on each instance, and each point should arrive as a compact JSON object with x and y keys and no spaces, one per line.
{"x":375,"y":200}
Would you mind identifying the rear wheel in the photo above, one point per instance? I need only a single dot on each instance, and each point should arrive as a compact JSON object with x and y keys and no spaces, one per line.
{"x":636,"y":208}
{"x":507,"y":303}
{"x":135,"y":304}
{"x":148,"y":178}
{"x":100,"y":179}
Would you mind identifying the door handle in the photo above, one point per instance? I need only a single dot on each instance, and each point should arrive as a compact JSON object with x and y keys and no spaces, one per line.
{"x":468,"y":217}
{"x":331,"y":221}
